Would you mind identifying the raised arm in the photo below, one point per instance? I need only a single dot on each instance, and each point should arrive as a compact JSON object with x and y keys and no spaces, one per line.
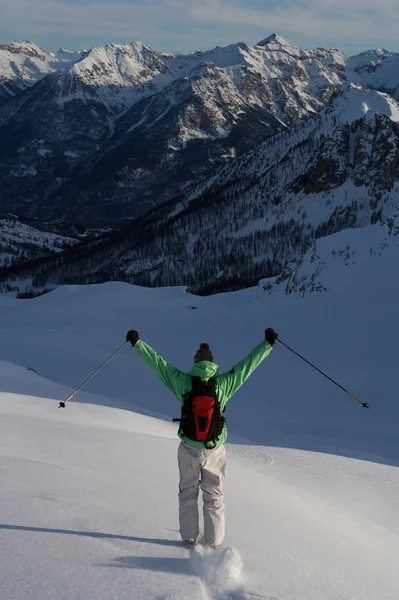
{"x":177,"y":381}
{"x":230,"y":383}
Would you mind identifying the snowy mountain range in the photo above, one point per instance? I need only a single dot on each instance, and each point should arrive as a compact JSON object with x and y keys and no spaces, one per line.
{"x":272,"y":147}
{"x":259,"y":213}
{"x":126,"y":128}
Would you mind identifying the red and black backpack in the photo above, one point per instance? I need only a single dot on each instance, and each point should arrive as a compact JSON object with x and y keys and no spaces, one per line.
{"x":201,"y":415}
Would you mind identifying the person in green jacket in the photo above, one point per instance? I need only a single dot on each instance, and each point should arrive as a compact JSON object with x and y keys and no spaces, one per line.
{"x":203,"y":464}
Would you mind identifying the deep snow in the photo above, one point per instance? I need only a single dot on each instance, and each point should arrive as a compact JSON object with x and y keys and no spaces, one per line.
{"x":88,"y":494}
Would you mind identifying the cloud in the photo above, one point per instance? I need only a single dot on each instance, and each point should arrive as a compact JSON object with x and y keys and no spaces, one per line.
{"x":308,"y":17}
{"x":205,"y":22}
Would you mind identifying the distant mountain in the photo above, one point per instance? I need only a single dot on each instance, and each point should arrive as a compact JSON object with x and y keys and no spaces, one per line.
{"x":260,"y":212}
{"x":22,"y":64}
{"x":68,"y":57}
{"x":376,"y":69}
{"x":221,"y":166}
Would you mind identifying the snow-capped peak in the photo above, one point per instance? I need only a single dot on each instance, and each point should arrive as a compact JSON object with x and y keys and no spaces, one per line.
{"x":275,"y":38}
{"x":63,"y":51}
{"x":356,"y":102}
{"x":124,"y":67}
{"x":376,"y":52}
{"x":26,"y":48}
{"x":276,"y":43}
{"x":117,"y":75}
{"x":68,"y":57}
{"x":22,"y":64}
{"x":126,"y":59}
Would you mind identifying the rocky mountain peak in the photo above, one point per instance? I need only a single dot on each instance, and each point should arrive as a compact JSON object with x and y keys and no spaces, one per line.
{"x":26,"y":48}
{"x":277,"y":43}
{"x":274,"y":38}
{"x":118,"y":64}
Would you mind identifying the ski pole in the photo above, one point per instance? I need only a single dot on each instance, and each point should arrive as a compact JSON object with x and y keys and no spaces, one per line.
{"x":364,"y":404}
{"x":62,"y":404}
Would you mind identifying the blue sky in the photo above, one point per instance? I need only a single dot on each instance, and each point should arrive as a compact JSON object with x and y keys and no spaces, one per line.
{"x":187,"y":25}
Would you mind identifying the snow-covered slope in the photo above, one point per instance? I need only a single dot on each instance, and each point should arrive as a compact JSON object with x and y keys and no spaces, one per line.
{"x":357,"y":103}
{"x":361,"y":249}
{"x":89,"y":494}
{"x":21,"y":241}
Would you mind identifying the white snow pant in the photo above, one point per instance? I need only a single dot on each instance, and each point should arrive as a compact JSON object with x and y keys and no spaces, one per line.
{"x":205,"y":468}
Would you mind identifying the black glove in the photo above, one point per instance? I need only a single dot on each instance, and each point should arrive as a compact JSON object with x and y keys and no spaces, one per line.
{"x":132,"y":336}
{"x":271,"y":336}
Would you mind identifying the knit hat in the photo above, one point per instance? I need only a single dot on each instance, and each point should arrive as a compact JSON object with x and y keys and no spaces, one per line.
{"x":203,"y":353}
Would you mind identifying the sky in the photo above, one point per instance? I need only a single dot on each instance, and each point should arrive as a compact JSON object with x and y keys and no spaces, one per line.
{"x":188,"y":25}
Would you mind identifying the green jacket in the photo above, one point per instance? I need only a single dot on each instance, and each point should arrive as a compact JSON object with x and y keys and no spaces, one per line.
{"x":226,"y":384}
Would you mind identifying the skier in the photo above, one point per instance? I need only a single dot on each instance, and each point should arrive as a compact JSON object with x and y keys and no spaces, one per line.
{"x":203,"y":395}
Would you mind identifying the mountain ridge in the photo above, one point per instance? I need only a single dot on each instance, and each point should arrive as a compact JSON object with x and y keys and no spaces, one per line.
{"x":337,"y":170}
{"x":106,"y":83}
{"x":270,"y":150}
